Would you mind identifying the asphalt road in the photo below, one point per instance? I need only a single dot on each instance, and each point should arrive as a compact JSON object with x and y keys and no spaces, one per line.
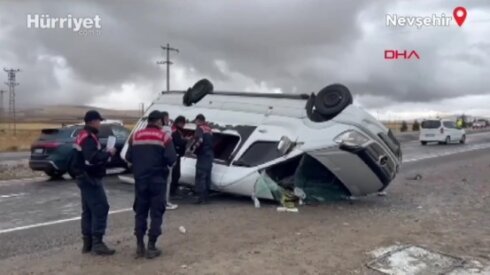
{"x":414,"y":151}
{"x":39,"y":216}
{"x":24,"y":203}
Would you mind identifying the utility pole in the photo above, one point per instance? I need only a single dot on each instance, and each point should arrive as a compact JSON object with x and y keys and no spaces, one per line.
{"x":11,"y":83}
{"x":2,"y":112}
{"x":167,"y":62}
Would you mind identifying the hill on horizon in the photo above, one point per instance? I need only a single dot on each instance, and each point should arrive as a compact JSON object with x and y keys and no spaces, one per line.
{"x":71,"y":114}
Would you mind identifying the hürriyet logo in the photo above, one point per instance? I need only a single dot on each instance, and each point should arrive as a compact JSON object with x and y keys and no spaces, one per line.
{"x":82,"y":25}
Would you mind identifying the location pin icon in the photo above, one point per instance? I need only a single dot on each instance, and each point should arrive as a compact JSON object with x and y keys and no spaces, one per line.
{"x":459,"y":14}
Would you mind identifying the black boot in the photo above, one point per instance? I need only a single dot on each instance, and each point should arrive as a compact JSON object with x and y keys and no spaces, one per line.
{"x":152,"y":251}
{"x":87,"y":244}
{"x":140,"y":247}
{"x":198,"y":200}
{"x":100,"y":248}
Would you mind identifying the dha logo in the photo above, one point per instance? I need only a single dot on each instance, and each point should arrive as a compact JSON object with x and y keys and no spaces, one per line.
{"x":396,"y":54}
{"x":76,"y":24}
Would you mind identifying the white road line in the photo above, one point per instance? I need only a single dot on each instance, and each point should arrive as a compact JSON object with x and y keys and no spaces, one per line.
{"x":12,"y":195}
{"x":20,"y":228}
{"x":23,"y":180}
{"x":111,"y":171}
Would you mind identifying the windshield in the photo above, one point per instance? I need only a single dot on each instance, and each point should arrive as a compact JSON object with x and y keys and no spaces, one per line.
{"x":431,"y":124}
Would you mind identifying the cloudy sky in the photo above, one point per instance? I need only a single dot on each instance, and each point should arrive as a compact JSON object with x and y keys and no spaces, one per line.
{"x":289,"y":46}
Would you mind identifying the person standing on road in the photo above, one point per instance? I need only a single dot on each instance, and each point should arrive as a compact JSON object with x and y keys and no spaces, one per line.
{"x":150,"y":152}
{"x":459,"y":123}
{"x":89,"y":167}
{"x":167,"y":123}
{"x":180,"y":143}
{"x":203,"y":148}
{"x":167,"y":128}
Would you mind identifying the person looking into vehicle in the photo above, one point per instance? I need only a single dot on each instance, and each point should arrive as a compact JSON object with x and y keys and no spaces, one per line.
{"x":180,"y":143}
{"x":150,"y":152}
{"x":203,"y":148}
{"x":89,"y":169}
{"x":167,"y":128}
{"x":167,"y":123}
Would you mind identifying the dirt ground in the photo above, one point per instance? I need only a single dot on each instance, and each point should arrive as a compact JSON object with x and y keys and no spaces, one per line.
{"x":17,"y":170}
{"x":447,"y":210}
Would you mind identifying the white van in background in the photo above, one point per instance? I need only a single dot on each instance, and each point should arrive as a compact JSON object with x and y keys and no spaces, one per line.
{"x":442,"y":131}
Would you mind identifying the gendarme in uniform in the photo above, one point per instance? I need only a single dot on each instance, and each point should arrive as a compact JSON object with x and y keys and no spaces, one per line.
{"x":150,"y":152}
{"x":89,"y":167}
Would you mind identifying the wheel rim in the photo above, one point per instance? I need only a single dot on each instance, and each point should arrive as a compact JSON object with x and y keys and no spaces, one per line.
{"x":332,"y":99}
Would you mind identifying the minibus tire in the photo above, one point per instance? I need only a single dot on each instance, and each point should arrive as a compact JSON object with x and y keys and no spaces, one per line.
{"x":198,"y":92}
{"x":332,"y":100}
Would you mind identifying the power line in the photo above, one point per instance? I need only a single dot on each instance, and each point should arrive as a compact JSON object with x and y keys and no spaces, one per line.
{"x":167,"y":62}
{"x":11,"y":84}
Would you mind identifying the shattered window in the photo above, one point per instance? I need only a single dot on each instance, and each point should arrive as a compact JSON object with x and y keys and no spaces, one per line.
{"x":120,"y":132}
{"x":258,"y":153}
{"x":77,"y":131}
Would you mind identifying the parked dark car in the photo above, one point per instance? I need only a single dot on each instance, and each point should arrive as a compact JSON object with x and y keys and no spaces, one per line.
{"x":53,"y":151}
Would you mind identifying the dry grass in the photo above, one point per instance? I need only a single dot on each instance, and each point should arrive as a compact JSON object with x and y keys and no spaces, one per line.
{"x":31,"y":121}
{"x":30,"y":126}
{"x":25,"y":135}
{"x":20,"y":142}
{"x":71,"y":114}
{"x":395,"y":126}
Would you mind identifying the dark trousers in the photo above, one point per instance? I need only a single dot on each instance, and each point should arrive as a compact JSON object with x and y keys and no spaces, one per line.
{"x":149,"y":198}
{"x":95,"y":207}
{"x":174,"y":184}
{"x":203,"y":182}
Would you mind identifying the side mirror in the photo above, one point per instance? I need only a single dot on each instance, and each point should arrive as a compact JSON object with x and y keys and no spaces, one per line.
{"x":285,"y":145}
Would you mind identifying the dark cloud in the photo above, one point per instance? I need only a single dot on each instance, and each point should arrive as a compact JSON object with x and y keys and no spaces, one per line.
{"x":294,"y":45}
